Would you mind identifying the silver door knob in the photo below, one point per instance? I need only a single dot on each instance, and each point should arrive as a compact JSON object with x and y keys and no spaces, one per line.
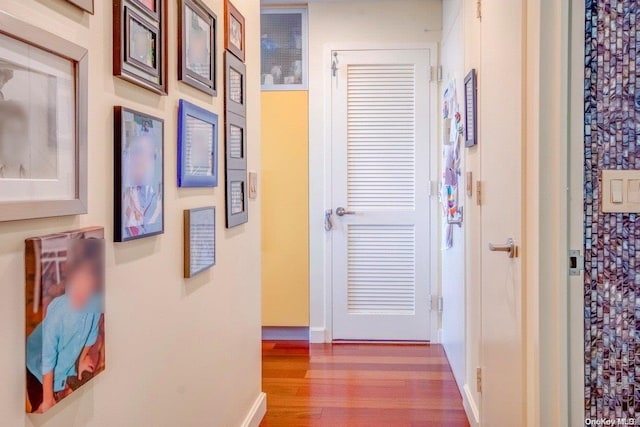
{"x":342,"y":212}
{"x":510,"y":248}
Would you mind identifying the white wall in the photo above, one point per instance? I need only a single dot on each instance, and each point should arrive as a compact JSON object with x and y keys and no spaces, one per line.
{"x":453,"y":259}
{"x":179,"y":353}
{"x":376,"y":22}
{"x":461,"y":287}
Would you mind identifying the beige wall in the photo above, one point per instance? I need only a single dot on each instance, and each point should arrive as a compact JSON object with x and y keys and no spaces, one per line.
{"x":356,"y":24}
{"x":179,"y":353}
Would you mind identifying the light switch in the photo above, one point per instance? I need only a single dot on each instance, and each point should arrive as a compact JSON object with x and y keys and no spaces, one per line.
{"x":621,"y":191}
{"x":616,"y":191}
{"x":633,"y":191}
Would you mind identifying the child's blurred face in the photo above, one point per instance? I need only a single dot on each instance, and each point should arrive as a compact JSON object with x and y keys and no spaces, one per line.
{"x":83,"y":284}
{"x":142,"y":160}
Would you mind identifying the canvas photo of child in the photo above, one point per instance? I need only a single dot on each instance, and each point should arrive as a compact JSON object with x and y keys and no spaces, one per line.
{"x":64,"y":315}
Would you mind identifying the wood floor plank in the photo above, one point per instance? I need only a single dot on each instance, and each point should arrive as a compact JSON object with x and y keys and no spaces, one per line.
{"x":354,"y":385}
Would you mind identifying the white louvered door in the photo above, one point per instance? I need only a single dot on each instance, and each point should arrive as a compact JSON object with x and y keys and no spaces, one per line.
{"x":380,"y":176}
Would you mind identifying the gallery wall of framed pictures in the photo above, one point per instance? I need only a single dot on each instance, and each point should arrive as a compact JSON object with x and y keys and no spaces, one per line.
{"x":235,"y":118}
{"x":122,"y":138}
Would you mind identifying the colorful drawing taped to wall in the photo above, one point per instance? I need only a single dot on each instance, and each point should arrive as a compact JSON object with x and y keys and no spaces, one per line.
{"x":451,"y":161}
{"x":64,"y":315}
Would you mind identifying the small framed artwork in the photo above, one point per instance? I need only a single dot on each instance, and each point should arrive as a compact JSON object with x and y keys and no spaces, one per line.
{"x":197,"y":146}
{"x":471,"y":109}
{"x":199,"y":240}
{"x":86,"y":5}
{"x":236,"y":85}
{"x":236,"y":142}
{"x":139,"y":45}
{"x":138,"y":175}
{"x":197,"y":46}
{"x":43,"y":130}
{"x":237,"y":203}
{"x":64,"y":322}
{"x":234,"y":40}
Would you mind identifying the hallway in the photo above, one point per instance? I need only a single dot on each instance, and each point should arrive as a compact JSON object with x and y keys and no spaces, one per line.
{"x":359,"y":385}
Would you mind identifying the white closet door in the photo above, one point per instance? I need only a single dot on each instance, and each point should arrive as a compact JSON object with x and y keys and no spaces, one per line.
{"x":380,"y":178}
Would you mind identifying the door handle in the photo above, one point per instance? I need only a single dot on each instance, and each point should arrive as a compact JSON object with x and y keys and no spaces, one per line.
{"x":510,"y":248}
{"x":342,"y":212}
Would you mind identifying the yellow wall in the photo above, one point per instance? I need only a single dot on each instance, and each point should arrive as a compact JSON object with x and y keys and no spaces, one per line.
{"x":179,"y":352}
{"x":285,"y":209}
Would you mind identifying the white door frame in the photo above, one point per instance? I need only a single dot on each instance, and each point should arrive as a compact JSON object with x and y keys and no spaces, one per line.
{"x":322,"y":309}
{"x":549,"y":25}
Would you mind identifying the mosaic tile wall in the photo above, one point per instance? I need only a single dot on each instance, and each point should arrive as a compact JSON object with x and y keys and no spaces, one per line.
{"x":612,"y":278}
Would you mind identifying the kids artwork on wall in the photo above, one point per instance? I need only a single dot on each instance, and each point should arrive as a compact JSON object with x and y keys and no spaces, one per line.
{"x":64,"y":315}
{"x":449,"y":191}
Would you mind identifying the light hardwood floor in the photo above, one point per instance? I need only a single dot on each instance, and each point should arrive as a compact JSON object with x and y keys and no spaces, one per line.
{"x":359,"y":385}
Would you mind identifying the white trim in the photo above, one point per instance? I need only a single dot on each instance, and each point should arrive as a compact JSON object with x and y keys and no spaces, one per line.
{"x":318,"y":336}
{"x":318,"y":309}
{"x":257,"y":412}
{"x":276,"y":333}
{"x":470,"y":407}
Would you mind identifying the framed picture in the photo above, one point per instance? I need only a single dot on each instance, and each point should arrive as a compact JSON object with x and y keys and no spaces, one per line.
{"x":237,"y":200}
{"x":64,"y":322}
{"x":139,"y":45}
{"x":86,"y":5}
{"x":197,"y":46}
{"x":197,"y":146}
{"x":236,"y":85}
{"x":471,"y":109}
{"x":199,"y":240}
{"x":43,"y":130}
{"x":236,"y":142}
{"x":234,"y":40}
{"x":138,"y":175}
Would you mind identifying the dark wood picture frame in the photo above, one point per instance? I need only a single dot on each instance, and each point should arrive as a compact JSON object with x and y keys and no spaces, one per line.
{"x":471,"y":109}
{"x":235,"y":219}
{"x":236,"y":163}
{"x":78,"y":57}
{"x":86,"y":5}
{"x":234,"y":65}
{"x":118,"y":174}
{"x":185,"y":74}
{"x":231,"y":13}
{"x":189,"y":270}
{"x":125,"y":65}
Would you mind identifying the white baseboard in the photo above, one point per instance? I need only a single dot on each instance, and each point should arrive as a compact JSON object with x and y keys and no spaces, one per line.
{"x":470,"y":407}
{"x":318,"y":335}
{"x":257,"y":412}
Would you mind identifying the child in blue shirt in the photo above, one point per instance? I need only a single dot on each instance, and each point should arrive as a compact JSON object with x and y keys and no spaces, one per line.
{"x":58,"y":348}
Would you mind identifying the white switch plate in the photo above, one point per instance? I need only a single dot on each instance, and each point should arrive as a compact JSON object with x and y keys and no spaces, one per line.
{"x":253,"y":185}
{"x":627,"y":198}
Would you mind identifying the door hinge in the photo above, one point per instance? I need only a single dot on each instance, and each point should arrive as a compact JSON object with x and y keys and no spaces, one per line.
{"x":479,"y":193}
{"x":479,"y":9}
{"x":436,"y":74}
{"x":435,"y":303}
{"x":440,"y":304}
{"x":576,"y":263}
{"x":479,"y":380}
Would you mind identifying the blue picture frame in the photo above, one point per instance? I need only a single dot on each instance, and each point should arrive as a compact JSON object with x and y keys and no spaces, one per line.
{"x":197,"y":165}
